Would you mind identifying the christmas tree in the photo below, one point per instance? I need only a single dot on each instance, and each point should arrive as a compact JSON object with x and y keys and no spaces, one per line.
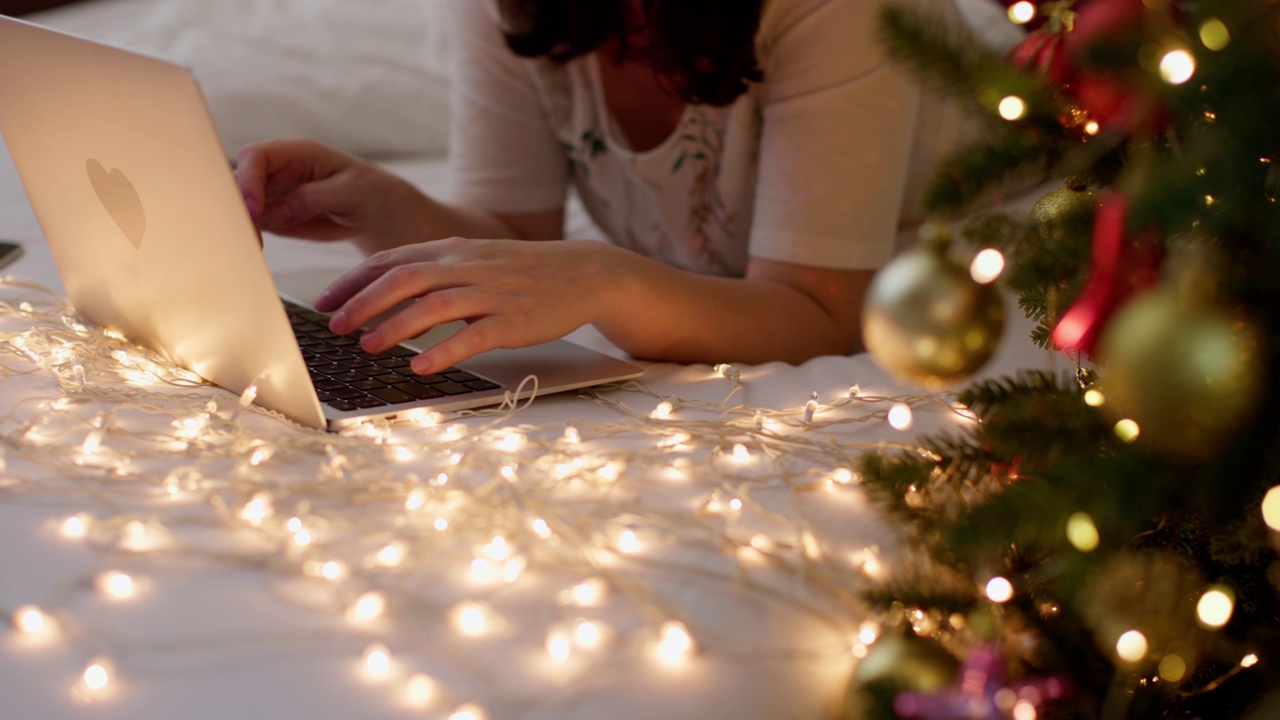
{"x":1102,"y":544}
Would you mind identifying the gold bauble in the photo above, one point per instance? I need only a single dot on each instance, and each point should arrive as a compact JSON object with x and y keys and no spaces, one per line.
{"x":927,"y":322}
{"x":1149,"y":591}
{"x":1188,"y":376}
{"x":1051,"y":211}
{"x":895,"y":664}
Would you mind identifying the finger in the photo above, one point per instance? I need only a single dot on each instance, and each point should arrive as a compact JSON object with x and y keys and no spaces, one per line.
{"x":267,"y":170}
{"x":251,"y":177}
{"x":380,"y":287}
{"x":428,"y":311}
{"x":329,"y":199}
{"x":480,"y":336}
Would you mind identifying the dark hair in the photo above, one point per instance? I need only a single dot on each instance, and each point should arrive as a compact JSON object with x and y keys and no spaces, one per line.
{"x":704,"y":48}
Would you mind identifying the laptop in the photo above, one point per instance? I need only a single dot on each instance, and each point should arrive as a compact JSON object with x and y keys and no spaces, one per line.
{"x":136,"y":199}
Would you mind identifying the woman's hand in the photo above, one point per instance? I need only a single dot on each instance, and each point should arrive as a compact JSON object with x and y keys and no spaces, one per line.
{"x":511,"y":293}
{"x":303,"y":189}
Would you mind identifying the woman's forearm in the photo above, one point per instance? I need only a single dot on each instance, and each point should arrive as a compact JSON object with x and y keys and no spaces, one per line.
{"x":416,"y":217}
{"x":662,"y":313}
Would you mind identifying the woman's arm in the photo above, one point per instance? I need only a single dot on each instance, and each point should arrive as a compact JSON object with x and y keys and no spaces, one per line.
{"x":514,"y":293}
{"x":22,"y":7}
{"x":779,"y":311}
{"x":301,"y":188}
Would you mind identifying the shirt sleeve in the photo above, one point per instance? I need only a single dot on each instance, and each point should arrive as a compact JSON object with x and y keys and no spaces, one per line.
{"x":503,"y":156}
{"x":836,"y":134}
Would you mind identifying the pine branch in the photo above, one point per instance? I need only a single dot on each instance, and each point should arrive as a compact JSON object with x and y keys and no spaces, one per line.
{"x":977,"y":171}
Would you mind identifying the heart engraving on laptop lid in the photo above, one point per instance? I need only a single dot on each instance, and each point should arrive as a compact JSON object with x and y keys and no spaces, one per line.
{"x":120,"y":199}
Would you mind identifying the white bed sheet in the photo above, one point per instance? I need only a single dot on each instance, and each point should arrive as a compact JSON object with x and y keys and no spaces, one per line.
{"x":211,"y":642}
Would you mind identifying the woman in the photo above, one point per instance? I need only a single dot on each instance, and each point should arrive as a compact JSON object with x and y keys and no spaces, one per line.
{"x":748,"y":159}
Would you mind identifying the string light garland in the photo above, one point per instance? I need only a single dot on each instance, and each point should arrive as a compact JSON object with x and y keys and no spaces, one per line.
{"x":161,"y":461}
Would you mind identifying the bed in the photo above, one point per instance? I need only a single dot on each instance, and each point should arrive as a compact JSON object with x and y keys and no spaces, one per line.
{"x":701,"y":559}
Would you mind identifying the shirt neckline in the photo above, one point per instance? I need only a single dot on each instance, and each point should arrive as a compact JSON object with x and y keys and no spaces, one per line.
{"x":612,"y":131}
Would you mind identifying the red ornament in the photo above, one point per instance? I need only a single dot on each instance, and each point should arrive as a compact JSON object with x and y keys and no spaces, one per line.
{"x":1040,"y":52}
{"x":1121,"y":267}
{"x":1110,"y":98}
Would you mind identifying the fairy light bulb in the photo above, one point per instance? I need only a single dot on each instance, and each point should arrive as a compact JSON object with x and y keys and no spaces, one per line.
{"x":541,"y":528}
{"x":92,"y":442}
{"x":588,"y":634}
{"x":497,"y":549}
{"x":76,"y":527}
{"x":588,"y":593}
{"x":1094,"y":398}
{"x":1215,"y":607}
{"x":472,"y":619}
{"x":97,"y":675}
{"x":1177,"y":66}
{"x":629,"y":542}
{"x":333,"y":570}
{"x":303,"y":537}
{"x":392,"y":555}
{"x":415,"y":500}
{"x":1215,"y":35}
{"x":469,"y":711}
{"x":441,"y":524}
{"x":999,"y":590}
{"x":987,"y":266}
{"x":559,"y":647}
{"x":1248,"y":661}
{"x":367,"y":608}
{"x":572,"y":436}
{"x":901,"y":417}
{"x":512,"y":441}
{"x":377,"y":662}
{"x":662,"y":411}
{"x":1271,"y":508}
{"x":675,"y":645}
{"x":419,"y":691}
{"x":741,"y":454}
{"x":257,"y":510}
{"x":1021,"y":13}
{"x":1082,"y":532}
{"x":31,"y":620}
{"x":868,"y":632}
{"x":261,"y":455}
{"x":116,"y":585}
{"x":1012,"y":108}
{"x":1132,"y":646}
{"x":1127,"y":430}
{"x":1024,"y":710}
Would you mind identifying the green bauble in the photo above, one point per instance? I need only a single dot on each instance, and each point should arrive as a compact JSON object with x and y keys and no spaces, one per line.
{"x":927,"y":322}
{"x":1189,"y":377}
{"x":896,"y":664}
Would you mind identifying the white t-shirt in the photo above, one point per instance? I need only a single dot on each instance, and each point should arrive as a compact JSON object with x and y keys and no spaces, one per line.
{"x":821,"y":164}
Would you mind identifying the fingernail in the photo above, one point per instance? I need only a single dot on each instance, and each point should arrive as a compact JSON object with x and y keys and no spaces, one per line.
{"x":371,"y":341}
{"x":322,"y":301}
{"x":421,"y":365}
{"x":251,"y":204}
{"x":337,"y":323}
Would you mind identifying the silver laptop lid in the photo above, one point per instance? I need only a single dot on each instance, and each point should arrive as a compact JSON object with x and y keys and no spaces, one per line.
{"x":126,"y":175}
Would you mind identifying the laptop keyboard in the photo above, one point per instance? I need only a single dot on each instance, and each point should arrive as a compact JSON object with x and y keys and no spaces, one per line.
{"x":348,"y":378}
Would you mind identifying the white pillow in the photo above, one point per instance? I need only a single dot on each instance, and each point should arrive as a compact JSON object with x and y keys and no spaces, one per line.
{"x":369,"y":77}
